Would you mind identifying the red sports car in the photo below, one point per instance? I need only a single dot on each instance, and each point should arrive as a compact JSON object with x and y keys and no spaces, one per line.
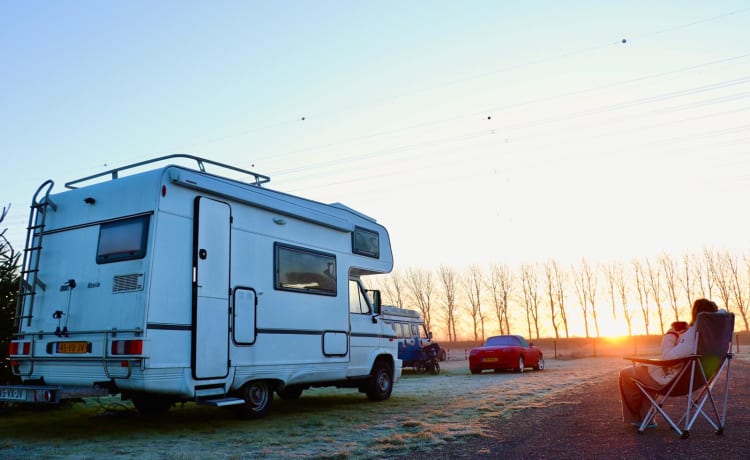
{"x":505,"y":352}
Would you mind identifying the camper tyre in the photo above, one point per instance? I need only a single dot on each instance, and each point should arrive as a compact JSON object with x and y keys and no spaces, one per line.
{"x":380,"y":385}
{"x":152,"y":405}
{"x":290,"y":392}
{"x":258,"y":396}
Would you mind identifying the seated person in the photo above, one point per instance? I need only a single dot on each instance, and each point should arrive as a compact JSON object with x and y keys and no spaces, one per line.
{"x":678,"y":342}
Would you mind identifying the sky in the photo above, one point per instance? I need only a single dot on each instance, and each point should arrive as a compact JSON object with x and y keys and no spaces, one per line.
{"x":477,"y":132}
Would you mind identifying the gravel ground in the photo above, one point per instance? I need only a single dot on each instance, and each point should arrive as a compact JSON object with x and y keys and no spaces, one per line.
{"x":585,"y":424}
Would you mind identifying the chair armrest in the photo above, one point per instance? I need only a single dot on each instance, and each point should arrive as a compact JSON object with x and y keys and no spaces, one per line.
{"x":661,"y":362}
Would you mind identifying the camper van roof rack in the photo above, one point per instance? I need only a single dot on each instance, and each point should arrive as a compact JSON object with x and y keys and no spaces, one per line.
{"x":258,"y":179}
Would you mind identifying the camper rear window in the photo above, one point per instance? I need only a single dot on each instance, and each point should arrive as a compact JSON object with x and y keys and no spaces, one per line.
{"x":304,"y":270}
{"x":122,"y":240}
{"x":365,"y":242}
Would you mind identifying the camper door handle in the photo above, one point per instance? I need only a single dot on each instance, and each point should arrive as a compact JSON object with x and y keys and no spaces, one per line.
{"x":202,"y":253}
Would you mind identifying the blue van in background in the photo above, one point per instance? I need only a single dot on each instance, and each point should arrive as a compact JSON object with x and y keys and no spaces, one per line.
{"x":411,"y":332}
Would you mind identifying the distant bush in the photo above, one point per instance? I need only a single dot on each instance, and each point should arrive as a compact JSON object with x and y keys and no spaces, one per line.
{"x":8,"y":292}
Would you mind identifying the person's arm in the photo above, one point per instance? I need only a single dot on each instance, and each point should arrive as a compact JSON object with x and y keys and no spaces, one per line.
{"x":684,"y":346}
{"x":668,"y":341}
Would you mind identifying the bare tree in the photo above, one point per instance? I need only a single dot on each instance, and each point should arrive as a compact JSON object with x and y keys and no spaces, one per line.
{"x":610,"y":272}
{"x":501,"y":284}
{"x":550,"y":279}
{"x":738,"y":288}
{"x":449,"y":283}
{"x":654,"y":283}
{"x":618,"y":278}
{"x":721,"y":276}
{"x":473,"y":285}
{"x":739,"y":299}
{"x":560,"y":295}
{"x":592,"y":285}
{"x":641,"y":287}
{"x":419,"y":284}
{"x":530,"y":286}
{"x":686,"y":278}
{"x":579,"y":282}
{"x":669,"y":268}
{"x":708,"y":269}
{"x":394,"y":289}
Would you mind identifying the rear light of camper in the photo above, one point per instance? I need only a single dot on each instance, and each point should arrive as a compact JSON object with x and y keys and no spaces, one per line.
{"x":19,"y":348}
{"x":127,"y":347}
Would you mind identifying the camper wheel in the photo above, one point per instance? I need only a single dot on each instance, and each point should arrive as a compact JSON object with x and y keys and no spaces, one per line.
{"x":152,"y":405}
{"x":290,"y":392}
{"x":380,"y":385}
{"x":258,"y":395}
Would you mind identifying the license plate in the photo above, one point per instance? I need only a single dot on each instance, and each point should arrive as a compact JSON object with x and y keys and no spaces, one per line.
{"x":12,"y":394}
{"x":489,"y":360}
{"x":73,"y":347}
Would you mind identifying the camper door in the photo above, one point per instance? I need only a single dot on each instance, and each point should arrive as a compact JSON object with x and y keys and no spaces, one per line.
{"x":211,"y":248}
{"x":365,"y":334}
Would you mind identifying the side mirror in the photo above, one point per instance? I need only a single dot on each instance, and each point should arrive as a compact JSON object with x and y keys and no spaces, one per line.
{"x":376,"y":303}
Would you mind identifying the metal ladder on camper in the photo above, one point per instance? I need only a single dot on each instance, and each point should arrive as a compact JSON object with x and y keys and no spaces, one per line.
{"x":31,"y":254}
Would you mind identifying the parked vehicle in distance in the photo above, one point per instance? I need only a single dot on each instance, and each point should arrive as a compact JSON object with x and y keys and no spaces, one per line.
{"x":411,"y":333}
{"x":505,"y":352}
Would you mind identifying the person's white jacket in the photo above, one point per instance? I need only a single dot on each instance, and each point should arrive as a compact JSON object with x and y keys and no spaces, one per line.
{"x":673,"y":346}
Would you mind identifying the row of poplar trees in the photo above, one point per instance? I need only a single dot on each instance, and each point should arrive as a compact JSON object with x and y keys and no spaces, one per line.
{"x":646,"y":294}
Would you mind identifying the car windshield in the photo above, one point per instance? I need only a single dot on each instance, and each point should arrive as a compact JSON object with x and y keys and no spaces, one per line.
{"x":501,"y":341}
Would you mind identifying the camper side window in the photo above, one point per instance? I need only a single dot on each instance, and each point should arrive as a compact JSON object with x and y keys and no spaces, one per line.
{"x":122,"y":240}
{"x":365,"y":242}
{"x":304,"y":270}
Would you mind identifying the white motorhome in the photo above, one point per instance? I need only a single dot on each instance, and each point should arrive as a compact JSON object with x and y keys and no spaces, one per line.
{"x":176,"y":284}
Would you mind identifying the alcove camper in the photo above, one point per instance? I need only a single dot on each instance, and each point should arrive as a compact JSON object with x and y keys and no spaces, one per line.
{"x":179,"y":284}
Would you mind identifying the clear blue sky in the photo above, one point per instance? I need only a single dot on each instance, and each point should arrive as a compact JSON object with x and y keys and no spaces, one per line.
{"x":477,"y":132}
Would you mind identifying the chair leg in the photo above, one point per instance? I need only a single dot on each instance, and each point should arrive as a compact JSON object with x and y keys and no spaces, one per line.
{"x":656,"y":407}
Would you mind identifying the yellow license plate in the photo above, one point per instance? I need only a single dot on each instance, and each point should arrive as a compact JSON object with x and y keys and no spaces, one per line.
{"x":73,"y":347}
{"x":489,"y":360}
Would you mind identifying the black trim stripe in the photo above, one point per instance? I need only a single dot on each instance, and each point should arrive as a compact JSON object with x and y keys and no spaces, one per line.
{"x":169,"y":327}
{"x":98,"y":222}
{"x":379,"y":336}
{"x":188,"y":327}
{"x":291,"y":331}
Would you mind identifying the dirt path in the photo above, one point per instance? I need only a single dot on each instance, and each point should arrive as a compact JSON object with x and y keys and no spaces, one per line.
{"x":586,"y":425}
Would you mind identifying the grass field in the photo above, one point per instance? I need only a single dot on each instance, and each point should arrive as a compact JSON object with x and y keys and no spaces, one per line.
{"x":424,"y":411}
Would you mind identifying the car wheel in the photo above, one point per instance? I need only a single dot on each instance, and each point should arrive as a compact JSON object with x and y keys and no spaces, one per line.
{"x":521,"y":364}
{"x":258,"y":396}
{"x":381,"y":382}
{"x":443,"y":355}
{"x":540,"y":364}
{"x":475,"y":371}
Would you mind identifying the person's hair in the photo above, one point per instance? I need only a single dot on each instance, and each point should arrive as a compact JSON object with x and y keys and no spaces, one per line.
{"x":703,"y":305}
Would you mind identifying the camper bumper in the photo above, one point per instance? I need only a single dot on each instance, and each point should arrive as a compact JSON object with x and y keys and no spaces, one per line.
{"x":47,"y":394}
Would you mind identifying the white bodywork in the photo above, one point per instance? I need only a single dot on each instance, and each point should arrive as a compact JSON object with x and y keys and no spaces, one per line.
{"x":204,"y":301}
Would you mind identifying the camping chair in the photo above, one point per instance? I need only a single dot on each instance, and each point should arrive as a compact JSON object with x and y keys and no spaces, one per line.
{"x":697,"y":377}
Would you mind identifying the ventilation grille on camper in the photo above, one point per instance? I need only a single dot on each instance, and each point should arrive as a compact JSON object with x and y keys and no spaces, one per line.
{"x":128,"y":283}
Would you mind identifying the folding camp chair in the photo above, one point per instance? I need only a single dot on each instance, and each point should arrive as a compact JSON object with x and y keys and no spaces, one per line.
{"x":696,"y":379}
